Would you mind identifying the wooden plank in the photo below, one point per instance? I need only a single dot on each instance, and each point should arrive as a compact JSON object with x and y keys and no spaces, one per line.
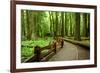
{"x":47,"y":57}
{"x":30,"y":59}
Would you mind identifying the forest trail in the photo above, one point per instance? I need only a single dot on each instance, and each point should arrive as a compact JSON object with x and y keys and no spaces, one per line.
{"x":71,"y":52}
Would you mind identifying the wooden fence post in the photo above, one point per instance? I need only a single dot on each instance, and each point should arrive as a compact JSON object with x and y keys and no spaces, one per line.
{"x":55,"y":47}
{"x":62,"y":43}
{"x":37,"y":52}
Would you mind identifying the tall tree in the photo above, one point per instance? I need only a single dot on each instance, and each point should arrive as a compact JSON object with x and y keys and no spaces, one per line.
{"x":50,"y":17}
{"x":88,"y":23}
{"x":77,"y":27}
{"x":66,"y":24}
{"x":70,"y":22}
{"x":84,"y":24}
{"x":62,"y":29}
{"x":28,"y":25}
{"x":22,"y":25}
{"x":56,"y":23}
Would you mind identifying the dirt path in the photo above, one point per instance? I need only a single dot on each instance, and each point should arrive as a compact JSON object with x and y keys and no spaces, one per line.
{"x":71,"y":52}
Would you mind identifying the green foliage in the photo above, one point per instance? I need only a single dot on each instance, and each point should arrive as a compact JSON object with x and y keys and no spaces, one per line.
{"x":40,"y":42}
{"x":27,"y":48}
{"x":26,"y":52}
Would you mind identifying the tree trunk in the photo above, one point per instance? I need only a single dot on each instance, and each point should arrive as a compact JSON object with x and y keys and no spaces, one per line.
{"x":62,"y":30}
{"x":84,"y":24}
{"x":88,"y":30}
{"x":66,"y":29}
{"x":77,"y":27}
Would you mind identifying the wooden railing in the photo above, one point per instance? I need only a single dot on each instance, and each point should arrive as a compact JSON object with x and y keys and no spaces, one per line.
{"x":52,"y":49}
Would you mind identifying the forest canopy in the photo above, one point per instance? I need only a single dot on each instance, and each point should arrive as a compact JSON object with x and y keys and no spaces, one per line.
{"x":40,"y":24}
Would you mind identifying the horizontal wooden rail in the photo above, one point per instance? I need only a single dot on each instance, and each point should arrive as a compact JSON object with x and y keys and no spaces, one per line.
{"x":78,"y":43}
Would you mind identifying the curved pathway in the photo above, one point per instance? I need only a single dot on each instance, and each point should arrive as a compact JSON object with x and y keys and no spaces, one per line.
{"x":71,"y":52}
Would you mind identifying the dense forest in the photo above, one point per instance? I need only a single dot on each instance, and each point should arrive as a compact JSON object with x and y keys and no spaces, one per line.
{"x":46,"y":25}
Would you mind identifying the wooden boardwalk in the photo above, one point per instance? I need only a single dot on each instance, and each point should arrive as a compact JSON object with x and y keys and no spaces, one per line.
{"x":71,"y":52}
